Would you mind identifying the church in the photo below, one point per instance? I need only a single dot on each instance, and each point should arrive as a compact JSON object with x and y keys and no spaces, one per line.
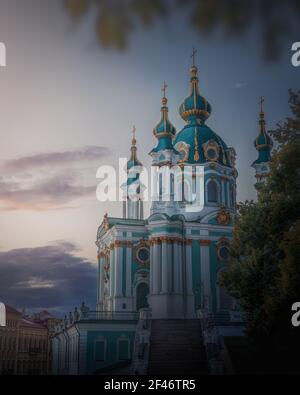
{"x":160,"y":273}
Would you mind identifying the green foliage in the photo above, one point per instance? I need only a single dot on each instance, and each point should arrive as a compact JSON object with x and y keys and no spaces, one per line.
{"x":264,"y":273}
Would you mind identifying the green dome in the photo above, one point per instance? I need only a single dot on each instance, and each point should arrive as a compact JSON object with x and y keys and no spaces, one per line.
{"x":164,"y":131}
{"x":199,"y":144}
{"x":195,"y":107}
{"x":133,"y":163}
{"x":164,"y":127}
{"x":263,"y":142}
{"x":196,"y":142}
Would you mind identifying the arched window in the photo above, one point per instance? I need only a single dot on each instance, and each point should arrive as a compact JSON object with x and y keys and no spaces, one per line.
{"x":162,"y":158}
{"x":172,"y":186}
{"x":160,"y":186}
{"x":212,"y":192}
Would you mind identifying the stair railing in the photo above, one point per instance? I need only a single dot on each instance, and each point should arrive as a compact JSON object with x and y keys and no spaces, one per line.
{"x":141,"y":347}
{"x":212,"y":340}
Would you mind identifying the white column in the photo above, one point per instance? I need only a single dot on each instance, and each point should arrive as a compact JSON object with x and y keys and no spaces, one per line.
{"x":100,"y":278}
{"x":205,"y":269}
{"x":164,"y":266}
{"x":156,"y":267}
{"x":151,"y":267}
{"x":180,"y":265}
{"x":136,"y":210}
{"x":141,"y":209}
{"x":176,"y":276}
{"x":111,"y":272}
{"x":124,"y":208}
{"x":188,"y":267}
{"x":170,"y":266}
{"x":118,"y":271}
{"x":128,"y":270}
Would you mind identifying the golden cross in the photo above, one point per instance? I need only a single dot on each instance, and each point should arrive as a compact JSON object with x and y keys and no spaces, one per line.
{"x":261,"y":101}
{"x":164,"y":88}
{"x":193,"y":56}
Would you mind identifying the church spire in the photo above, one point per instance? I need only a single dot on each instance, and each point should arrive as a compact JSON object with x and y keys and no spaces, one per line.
{"x":164,"y":130}
{"x":263,"y":144}
{"x":133,"y":188}
{"x":262,"y":122}
{"x":195,"y":108}
{"x":133,"y":158}
{"x":194,"y":76}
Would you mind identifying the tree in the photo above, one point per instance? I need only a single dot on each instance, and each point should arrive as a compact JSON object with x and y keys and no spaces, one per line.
{"x":264,"y":273}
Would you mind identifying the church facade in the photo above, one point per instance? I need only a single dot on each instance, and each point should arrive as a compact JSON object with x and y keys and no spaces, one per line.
{"x":170,"y":262}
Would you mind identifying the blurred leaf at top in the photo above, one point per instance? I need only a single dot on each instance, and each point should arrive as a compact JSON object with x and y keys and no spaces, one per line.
{"x":116,"y":19}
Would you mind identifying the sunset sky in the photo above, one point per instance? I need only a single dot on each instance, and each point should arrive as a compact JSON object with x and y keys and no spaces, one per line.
{"x":67,"y":106}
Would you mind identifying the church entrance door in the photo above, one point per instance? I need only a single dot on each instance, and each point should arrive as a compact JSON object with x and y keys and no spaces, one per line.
{"x":142,"y":292}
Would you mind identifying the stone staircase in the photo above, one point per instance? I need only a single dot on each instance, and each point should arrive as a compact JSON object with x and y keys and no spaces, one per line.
{"x":177,"y":348}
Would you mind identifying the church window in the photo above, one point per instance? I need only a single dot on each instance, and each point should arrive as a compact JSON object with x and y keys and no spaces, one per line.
{"x":100,"y":350}
{"x":143,"y":255}
{"x":223,"y":249}
{"x":160,"y":186}
{"x":194,"y":180}
{"x":212,"y":192}
{"x":172,"y":185}
{"x":123,"y":349}
{"x":223,"y":253}
{"x":162,"y":158}
{"x":211,"y":154}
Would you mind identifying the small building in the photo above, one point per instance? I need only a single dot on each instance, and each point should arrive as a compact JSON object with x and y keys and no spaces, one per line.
{"x":25,"y":343}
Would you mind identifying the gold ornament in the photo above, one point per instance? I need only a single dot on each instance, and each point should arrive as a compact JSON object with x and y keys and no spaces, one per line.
{"x":196,"y":155}
{"x":105,"y":222}
{"x":223,"y":216}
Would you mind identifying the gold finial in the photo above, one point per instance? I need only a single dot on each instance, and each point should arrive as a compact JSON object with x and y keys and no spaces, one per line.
{"x":262,"y":121}
{"x":261,"y":102}
{"x":193,"y":56}
{"x":164,"y":88}
{"x":133,"y":135}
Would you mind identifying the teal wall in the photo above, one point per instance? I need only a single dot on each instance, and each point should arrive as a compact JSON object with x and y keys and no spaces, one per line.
{"x":167,"y":229}
{"x":111,"y":348}
{"x":215,"y":266}
{"x":141,"y":235}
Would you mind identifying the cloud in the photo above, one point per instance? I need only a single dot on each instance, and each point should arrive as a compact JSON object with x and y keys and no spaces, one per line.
{"x":50,"y":181}
{"x":57,"y":159}
{"x":239,"y":85}
{"x":50,"y":277}
{"x":49,"y":194}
